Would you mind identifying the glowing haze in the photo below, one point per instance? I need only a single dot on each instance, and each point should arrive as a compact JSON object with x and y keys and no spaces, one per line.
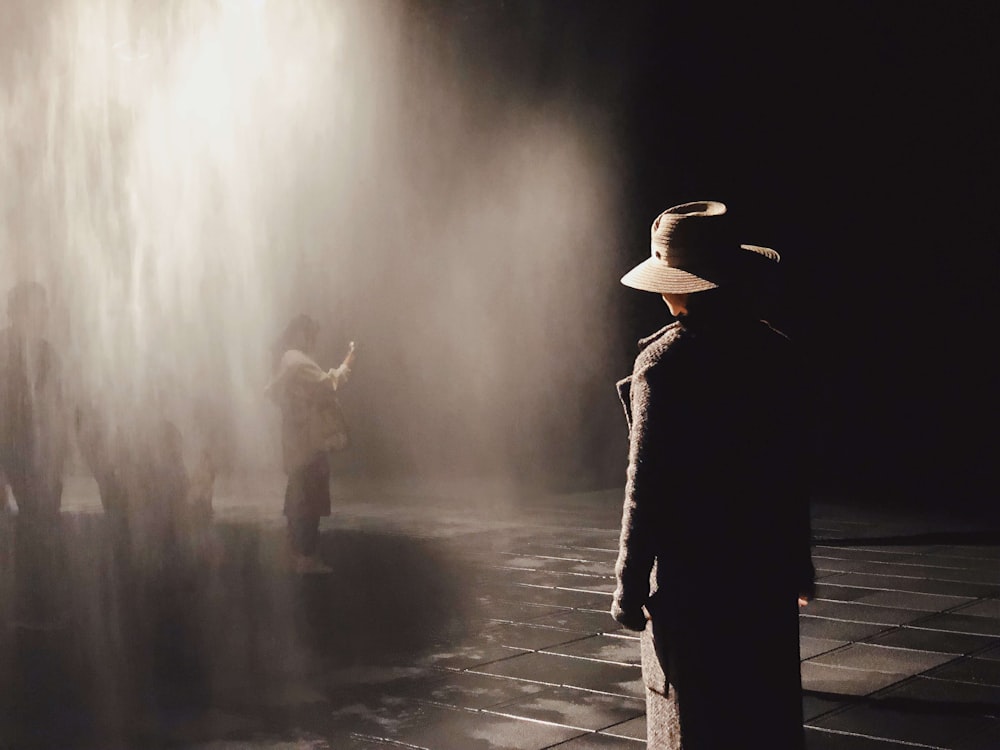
{"x":184,"y":176}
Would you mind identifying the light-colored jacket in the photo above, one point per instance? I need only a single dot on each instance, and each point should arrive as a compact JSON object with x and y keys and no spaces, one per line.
{"x":311,"y":419}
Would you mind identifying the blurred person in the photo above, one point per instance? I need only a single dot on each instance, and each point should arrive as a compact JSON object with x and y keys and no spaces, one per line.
{"x":312,"y":426}
{"x":33,"y":435}
{"x":715,"y":539}
{"x":33,"y":441}
{"x":148,"y":494}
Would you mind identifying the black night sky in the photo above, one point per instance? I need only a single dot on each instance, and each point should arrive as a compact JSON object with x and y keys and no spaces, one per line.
{"x":856,"y":138}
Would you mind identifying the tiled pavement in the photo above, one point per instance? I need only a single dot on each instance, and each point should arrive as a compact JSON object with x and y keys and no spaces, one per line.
{"x":900,"y":649}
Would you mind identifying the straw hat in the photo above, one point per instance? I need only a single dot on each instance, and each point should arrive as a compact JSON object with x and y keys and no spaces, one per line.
{"x":694,"y":248}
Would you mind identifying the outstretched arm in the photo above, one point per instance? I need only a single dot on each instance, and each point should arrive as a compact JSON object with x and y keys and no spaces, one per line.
{"x":339,"y":375}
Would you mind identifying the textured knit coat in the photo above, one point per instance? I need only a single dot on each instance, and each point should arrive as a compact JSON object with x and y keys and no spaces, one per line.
{"x":716,"y":498}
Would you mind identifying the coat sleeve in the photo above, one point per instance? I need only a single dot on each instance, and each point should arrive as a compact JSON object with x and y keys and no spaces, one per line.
{"x":636,"y":552}
{"x":339,"y":375}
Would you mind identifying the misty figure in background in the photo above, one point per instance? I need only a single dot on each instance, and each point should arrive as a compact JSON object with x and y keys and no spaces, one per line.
{"x":164,"y":548}
{"x":715,"y":538}
{"x":33,"y":435}
{"x":149,"y":496}
{"x":33,"y":442}
{"x":312,"y":426}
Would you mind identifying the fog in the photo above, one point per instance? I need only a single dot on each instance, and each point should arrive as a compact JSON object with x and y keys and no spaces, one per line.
{"x":184,"y":177}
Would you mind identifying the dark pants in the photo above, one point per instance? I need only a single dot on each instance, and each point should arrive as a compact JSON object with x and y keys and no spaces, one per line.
{"x":303,"y":535}
{"x":307,"y":498}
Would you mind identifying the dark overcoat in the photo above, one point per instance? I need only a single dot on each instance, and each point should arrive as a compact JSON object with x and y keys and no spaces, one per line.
{"x":716,"y":497}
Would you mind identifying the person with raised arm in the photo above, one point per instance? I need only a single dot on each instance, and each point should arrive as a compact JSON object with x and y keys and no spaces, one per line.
{"x":312,"y":426}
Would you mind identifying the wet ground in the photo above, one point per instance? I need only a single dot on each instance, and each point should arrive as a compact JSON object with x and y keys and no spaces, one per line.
{"x":468,"y":616}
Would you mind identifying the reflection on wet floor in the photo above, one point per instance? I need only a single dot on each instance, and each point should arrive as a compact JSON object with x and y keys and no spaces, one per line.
{"x":464,"y":617}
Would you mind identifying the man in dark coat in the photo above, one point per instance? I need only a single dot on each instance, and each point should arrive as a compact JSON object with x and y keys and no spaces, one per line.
{"x":716,"y":504}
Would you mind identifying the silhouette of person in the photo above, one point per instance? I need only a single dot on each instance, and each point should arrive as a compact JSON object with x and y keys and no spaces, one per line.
{"x":312,"y":425}
{"x":715,"y":536}
{"x":33,"y":439}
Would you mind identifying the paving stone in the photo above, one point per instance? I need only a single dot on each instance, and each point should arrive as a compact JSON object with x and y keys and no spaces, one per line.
{"x":836,"y":630}
{"x":942,"y":641}
{"x":986,"y":740}
{"x":918,"y":722}
{"x":386,"y":720}
{"x":985,"y":608}
{"x":810,"y":647}
{"x":559,"y":564}
{"x":970,"y":669}
{"x":841,"y":593}
{"x":633,"y":729}
{"x":817,"y":739}
{"x":474,"y":690}
{"x":960,"y":623}
{"x":606,"y":554}
{"x":958,"y":697}
{"x":971,"y":552}
{"x":601,"y":648}
{"x":853,"y":612}
{"x":913,"y":600}
{"x":972,"y":562}
{"x":591,"y":553}
{"x":583,"y":621}
{"x":595,"y":741}
{"x":883,"y":659}
{"x":529,"y":637}
{"x":513,"y":611}
{"x":574,"y":708}
{"x":533,"y":548}
{"x":553,"y":597}
{"x":823,"y":678}
{"x":920,"y":585}
{"x":607,"y":538}
{"x":559,"y":580}
{"x":281,"y":744}
{"x":484,"y":731}
{"x":348,"y":743}
{"x":839,"y":565}
{"x":864,"y":553}
{"x":817,"y":705}
{"x":468,"y":656}
{"x":553,"y":669}
{"x":986,"y":575}
{"x":992,"y":653}
{"x":535,"y":562}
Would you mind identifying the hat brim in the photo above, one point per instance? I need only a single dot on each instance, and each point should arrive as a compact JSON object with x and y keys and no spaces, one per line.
{"x":654,"y":275}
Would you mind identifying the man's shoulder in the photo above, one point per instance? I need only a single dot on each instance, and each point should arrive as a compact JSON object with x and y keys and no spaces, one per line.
{"x":653,"y":349}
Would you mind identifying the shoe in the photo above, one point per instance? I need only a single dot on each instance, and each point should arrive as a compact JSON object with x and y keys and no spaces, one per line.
{"x":306,"y":565}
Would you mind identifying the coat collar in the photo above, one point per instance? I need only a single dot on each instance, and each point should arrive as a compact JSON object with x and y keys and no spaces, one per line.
{"x":643,"y":343}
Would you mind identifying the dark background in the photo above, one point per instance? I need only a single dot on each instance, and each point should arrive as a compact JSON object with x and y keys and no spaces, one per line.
{"x":858,"y":139}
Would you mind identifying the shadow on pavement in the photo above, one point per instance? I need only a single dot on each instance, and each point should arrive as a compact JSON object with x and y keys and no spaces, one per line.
{"x":958,"y":538}
{"x":132,"y":648}
{"x":917,"y":706}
